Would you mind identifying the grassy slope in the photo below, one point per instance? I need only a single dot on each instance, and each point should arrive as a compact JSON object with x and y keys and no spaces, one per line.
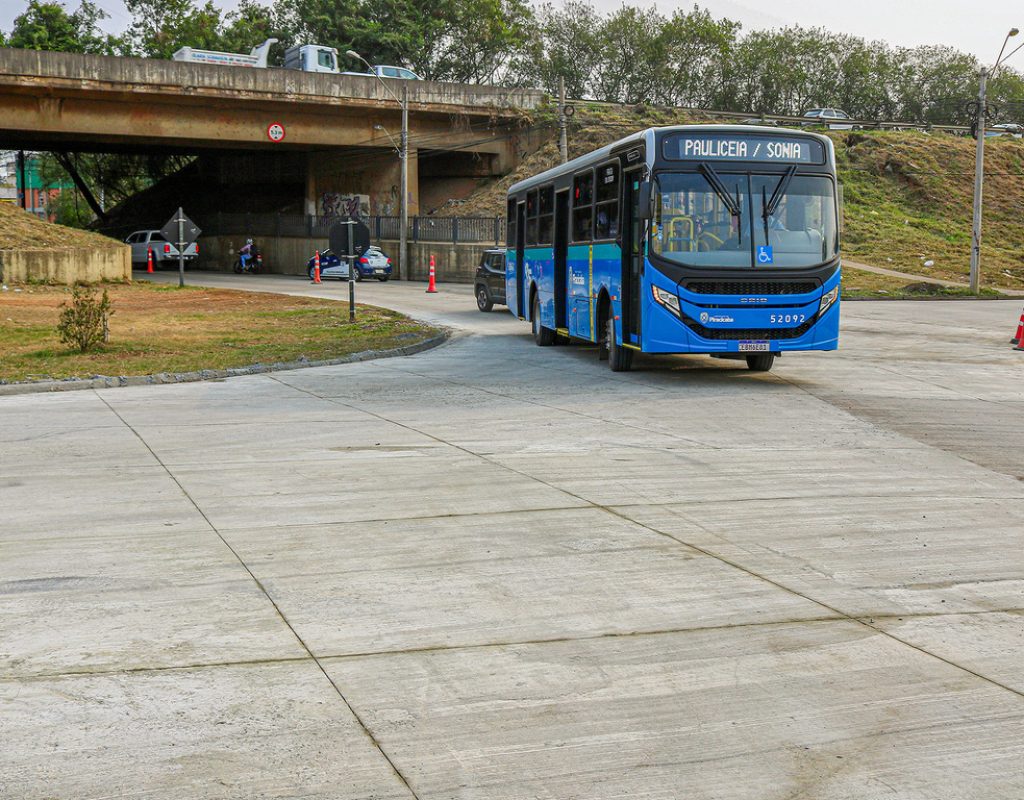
{"x":909,"y":200}
{"x":19,"y":229}
{"x":907,"y":195}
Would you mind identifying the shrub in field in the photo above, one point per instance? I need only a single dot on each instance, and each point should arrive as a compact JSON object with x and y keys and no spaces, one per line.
{"x":84,"y":322}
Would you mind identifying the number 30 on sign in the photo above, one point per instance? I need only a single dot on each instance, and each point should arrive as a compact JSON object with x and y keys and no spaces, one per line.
{"x":275,"y":132}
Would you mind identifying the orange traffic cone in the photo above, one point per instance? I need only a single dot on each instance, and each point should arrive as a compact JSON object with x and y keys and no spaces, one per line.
{"x":431,"y":286}
{"x":316,"y":268}
{"x":149,"y":260}
{"x":1018,"y":337}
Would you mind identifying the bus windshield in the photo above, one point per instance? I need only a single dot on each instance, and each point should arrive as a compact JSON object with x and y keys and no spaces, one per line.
{"x":720,"y":219}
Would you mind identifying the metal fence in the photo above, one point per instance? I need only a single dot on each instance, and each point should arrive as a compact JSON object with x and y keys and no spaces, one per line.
{"x":421,"y":229}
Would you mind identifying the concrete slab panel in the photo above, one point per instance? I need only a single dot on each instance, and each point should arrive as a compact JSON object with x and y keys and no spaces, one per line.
{"x":494,"y":578}
{"x":242,"y":444}
{"x":135,"y":500}
{"x":990,"y":644}
{"x":61,"y":449}
{"x":364,"y":486}
{"x":627,"y":476}
{"x":256,"y":398}
{"x":267,"y":731}
{"x":829,"y":710}
{"x":867,"y":556}
{"x":96,"y":602}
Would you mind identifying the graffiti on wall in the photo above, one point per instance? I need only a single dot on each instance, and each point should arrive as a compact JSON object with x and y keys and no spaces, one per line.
{"x":336,"y":204}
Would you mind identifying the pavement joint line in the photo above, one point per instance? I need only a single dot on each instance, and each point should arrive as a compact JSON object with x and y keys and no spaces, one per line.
{"x":470,"y":514}
{"x":88,"y":673}
{"x":734,"y":564}
{"x":868,"y":618}
{"x":362,"y":724}
{"x":860,"y":620}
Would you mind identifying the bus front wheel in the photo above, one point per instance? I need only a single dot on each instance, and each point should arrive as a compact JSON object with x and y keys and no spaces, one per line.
{"x":620,"y":358}
{"x":760,"y":362}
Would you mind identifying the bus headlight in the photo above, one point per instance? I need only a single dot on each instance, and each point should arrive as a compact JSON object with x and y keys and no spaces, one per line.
{"x":666,"y":299}
{"x":828,"y":299}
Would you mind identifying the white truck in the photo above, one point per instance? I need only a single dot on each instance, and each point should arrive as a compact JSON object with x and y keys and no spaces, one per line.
{"x":304,"y":57}
{"x":257,"y":56}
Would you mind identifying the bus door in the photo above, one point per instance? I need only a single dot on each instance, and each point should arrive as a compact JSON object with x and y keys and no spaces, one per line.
{"x":514,"y":268}
{"x":561,"y":244}
{"x":521,"y":260}
{"x":632,"y":258}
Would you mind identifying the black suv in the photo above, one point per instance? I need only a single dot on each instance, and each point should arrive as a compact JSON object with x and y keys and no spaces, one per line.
{"x":490,"y":279}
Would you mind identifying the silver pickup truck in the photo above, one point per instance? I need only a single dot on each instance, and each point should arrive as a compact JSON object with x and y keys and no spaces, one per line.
{"x":163,"y":251}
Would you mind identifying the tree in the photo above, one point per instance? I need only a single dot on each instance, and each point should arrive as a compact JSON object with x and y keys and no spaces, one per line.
{"x":160,"y":27}
{"x":568,"y":47}
{"x":632,"y":55}
{"x":695,"y":47}
{"x":252,"y":23}
{"x":48,"y":26}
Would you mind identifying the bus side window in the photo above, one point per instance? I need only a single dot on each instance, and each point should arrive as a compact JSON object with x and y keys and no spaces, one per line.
{"x":583,"y":210}
{"x":606,"y":212}
{"x":531,"y":218}
{"x":546,"y":220}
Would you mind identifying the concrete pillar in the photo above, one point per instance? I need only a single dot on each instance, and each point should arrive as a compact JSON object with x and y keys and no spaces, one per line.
{"x":414,"y":182}
{"x":310,"y":205}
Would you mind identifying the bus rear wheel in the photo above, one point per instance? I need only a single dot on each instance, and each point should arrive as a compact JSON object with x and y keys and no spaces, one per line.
{"x":620,"y":358}
{"x":544,"y":337}
{"x":760,"y":362}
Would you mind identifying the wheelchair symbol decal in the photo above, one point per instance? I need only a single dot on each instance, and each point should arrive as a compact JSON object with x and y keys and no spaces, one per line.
{"x":764,"y":254}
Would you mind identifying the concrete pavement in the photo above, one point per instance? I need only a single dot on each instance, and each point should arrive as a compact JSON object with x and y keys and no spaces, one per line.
{"x":499,"y":571}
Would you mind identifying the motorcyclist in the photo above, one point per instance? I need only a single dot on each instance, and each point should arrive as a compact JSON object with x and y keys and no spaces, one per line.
{"x":247,"y":253}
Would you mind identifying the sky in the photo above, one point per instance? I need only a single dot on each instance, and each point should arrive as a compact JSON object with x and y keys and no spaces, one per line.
{"x":969,"y":25}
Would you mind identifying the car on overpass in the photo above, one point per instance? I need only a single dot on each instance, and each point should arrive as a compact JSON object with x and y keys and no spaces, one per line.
{"x":832,"y":118}
{"x":142,"y":242}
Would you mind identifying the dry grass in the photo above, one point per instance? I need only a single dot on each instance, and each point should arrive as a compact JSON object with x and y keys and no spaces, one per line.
{"x":166,"y":329}
{"x":21,"y":230}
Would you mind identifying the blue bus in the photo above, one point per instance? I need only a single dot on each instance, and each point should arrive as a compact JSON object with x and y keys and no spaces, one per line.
{"x":715,"y":239}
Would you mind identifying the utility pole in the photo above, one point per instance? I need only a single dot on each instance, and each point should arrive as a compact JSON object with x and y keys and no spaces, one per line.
{"x":563,"y":142}
{"x":20,"y":180}
{"x":979,"y":160}
{"x":403,"y":240}
{"x":979,"y":177}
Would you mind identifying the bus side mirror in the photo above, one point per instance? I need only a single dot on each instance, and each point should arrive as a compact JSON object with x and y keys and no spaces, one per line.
{"x":643,"y":201}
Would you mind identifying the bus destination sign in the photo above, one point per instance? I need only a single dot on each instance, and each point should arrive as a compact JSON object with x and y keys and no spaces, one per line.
{"x":764,"y":149}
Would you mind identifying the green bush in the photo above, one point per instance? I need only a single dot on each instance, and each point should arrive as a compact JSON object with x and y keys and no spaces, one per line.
{"x":85,"y":322}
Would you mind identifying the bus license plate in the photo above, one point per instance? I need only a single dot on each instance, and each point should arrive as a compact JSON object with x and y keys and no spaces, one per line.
{"x":747,"y":346}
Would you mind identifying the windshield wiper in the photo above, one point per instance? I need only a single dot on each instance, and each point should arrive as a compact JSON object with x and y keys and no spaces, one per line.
{"x":716,"y":183}
{"x":768,"y":209}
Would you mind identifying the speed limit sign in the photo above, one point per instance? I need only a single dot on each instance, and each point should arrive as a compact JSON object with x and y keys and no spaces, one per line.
{"x":275,"y":132}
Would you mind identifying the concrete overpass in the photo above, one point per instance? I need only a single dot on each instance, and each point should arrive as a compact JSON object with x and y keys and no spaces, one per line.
{"x":335,"y":126}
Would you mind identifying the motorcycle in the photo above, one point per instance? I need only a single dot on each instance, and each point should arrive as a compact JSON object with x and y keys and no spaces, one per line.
{"x":252,"y":264}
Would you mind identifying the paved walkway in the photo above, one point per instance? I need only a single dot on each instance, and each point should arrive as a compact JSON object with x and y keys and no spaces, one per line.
{"x":499,"y":571}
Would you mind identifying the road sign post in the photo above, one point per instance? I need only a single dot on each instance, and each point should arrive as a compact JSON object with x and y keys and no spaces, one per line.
{"x":353,"y":237}
{"x":182,"y":232}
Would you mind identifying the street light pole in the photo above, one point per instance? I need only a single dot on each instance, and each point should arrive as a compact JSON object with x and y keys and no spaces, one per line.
{"x":979,"y":161}
{"x":403,"y":154}
{"x":979,"y":178}
{"x":403,"y":241}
